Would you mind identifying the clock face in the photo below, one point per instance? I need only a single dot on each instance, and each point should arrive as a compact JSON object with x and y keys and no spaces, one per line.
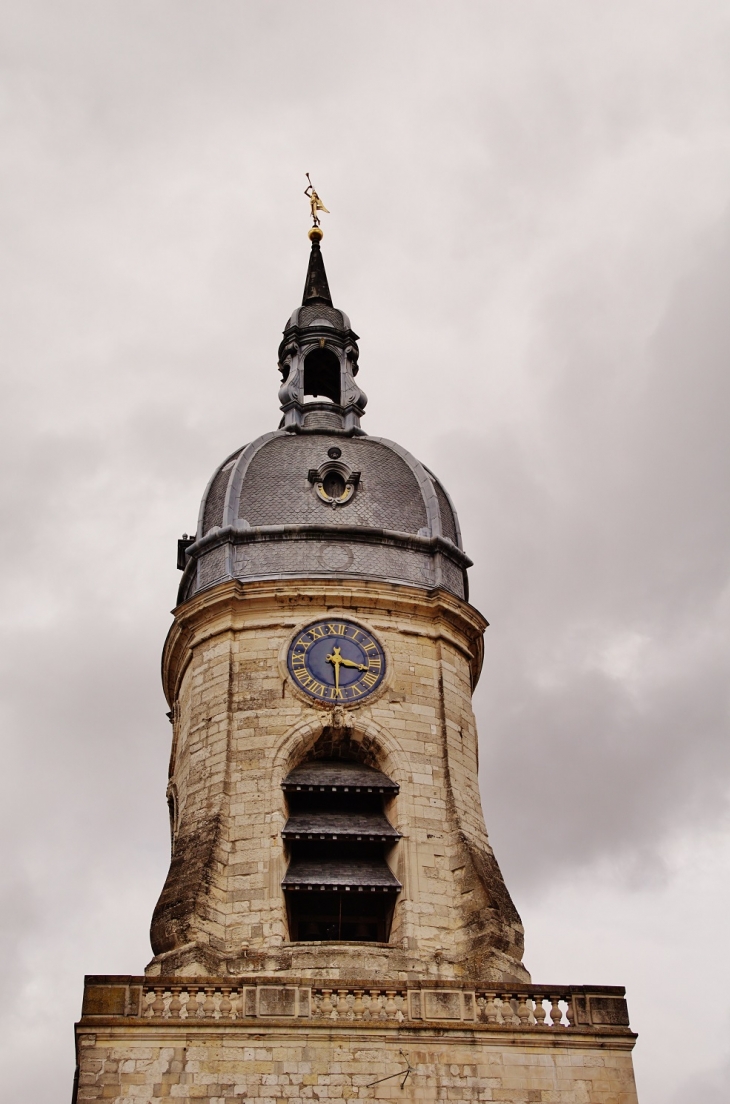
{"x":335,"y":660}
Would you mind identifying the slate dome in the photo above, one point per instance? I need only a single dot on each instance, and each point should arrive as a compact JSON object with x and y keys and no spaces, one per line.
{"x":318,"y":497}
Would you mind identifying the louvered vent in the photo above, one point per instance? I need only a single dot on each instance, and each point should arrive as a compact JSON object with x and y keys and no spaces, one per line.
{"x":338,"y":885}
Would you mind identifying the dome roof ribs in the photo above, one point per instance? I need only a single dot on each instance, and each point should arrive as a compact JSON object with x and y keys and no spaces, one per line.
{"x":233,"y":494}
{"x":452,"y":517}
{"x":227,"y":463}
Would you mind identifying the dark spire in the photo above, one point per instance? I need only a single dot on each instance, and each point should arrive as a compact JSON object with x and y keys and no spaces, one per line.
{"x":316,"y":288}
{"x":318,"y":356}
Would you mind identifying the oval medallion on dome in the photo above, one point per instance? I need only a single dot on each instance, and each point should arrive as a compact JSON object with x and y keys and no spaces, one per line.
{"x":335,"y":557}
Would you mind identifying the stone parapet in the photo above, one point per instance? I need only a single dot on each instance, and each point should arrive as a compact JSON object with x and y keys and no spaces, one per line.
{"x":197,"y":1000}
{"x":220,"y":1040}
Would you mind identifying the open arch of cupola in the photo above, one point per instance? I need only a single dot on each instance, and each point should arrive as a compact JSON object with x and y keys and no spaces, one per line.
{"x":322,"y":374}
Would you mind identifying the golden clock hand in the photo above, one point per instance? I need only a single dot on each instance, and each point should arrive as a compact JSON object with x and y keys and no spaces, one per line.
{"x":336,"y":659}
{"x":349,"y":663}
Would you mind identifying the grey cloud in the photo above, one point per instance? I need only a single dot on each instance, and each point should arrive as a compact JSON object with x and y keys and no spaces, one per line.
{"x":710,"y":1088}
{"x":606,"y":677}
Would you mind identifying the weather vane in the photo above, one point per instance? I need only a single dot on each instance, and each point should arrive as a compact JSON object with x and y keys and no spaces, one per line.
{"x":315,"y":204}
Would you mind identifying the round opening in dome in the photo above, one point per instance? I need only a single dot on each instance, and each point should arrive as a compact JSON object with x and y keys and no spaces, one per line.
{"x":333,"y":485}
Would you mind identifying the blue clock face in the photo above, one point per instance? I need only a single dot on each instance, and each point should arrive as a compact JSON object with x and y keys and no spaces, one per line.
{"x":336,"y":661}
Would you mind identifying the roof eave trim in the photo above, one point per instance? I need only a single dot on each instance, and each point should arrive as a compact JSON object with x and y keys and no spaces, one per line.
{"x":232,"y":534}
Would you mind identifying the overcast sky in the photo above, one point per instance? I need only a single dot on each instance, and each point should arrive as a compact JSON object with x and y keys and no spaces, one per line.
{"x":530,"y":231}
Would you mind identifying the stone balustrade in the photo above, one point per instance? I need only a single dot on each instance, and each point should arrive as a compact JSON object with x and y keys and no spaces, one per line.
{"x":231,"y":1000}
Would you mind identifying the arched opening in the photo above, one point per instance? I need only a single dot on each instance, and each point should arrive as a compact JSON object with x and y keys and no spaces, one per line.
{"x":322,"y":375}
{"x":338,"y":885}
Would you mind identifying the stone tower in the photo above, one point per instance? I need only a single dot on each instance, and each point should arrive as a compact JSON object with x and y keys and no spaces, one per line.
{"x":333,"y":912}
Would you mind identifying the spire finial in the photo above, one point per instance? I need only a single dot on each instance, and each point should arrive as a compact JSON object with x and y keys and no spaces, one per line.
{"x":315,"y":204}
{"x":318,"y":355}
{"x":316,"y":289}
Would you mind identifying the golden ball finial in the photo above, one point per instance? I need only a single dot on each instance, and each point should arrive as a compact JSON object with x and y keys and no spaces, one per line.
{"x":316,"y":234}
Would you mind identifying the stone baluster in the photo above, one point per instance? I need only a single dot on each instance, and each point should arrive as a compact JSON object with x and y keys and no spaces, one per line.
{"x":377,"y":1012}
{"x":209,"y":1003}
{"x":570,"y":1013}
{"x":224,"y":1008}
{"x":159,"y":1003}
{"x":390,"y":1006}
{"x":491,"y":1012}
{"x":539,"y":1011}
{"x":556,"y":1012}
{"x":524,"y":1012}
{"x":513,"y":1000}
{"x":342,"y":1007}
{"x":175,"y":1004}
{"x":358,"y":1007}
{"x":507,"y":1010}
{"x":199,"y":999}
{"x":327,"y":1006}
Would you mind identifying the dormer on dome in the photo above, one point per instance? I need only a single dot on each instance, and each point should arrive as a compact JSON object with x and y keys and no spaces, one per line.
{"x":318,"y":357}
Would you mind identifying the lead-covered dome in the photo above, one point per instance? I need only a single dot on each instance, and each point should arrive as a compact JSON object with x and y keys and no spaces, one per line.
{"x":318,"y":497}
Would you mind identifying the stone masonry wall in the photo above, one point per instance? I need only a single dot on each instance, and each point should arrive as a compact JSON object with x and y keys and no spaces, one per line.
{"x":240,"y":725}
{"x":282,"y":1065}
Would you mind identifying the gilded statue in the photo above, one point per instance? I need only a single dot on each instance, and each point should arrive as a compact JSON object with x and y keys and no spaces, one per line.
{"x":315,"y":203}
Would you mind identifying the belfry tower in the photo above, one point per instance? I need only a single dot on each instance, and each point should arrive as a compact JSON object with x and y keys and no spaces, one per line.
{"x":334,"y":923}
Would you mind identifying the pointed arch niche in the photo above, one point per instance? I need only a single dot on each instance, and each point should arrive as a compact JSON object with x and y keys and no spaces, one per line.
{"x":338,"y":885}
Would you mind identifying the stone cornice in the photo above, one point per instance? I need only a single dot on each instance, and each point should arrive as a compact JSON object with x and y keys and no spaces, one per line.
{"x":231,"y":606}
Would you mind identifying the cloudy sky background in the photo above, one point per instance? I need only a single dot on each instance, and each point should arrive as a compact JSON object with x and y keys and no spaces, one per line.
{"x":530,"y":230}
